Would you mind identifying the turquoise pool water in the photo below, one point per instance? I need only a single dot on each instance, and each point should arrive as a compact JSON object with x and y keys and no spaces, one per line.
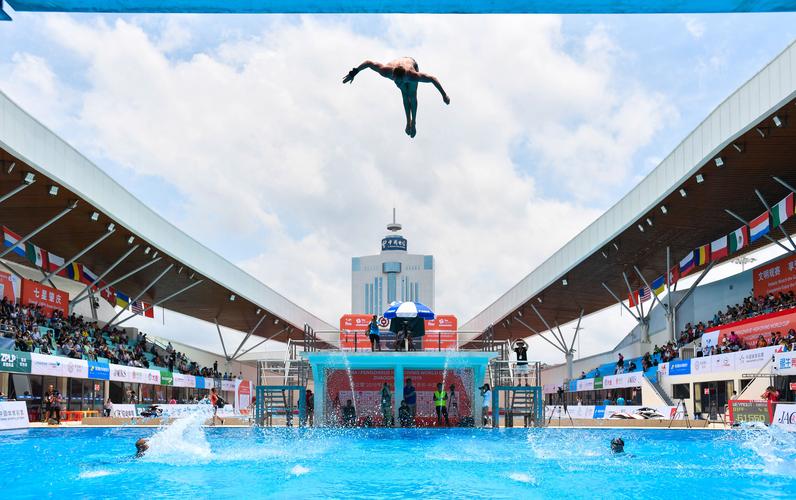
{"x":188,"y":462}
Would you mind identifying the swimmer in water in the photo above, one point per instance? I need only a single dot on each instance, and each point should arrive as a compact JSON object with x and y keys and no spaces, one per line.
{"x":617,"y":445}
{"x":141,"y":446}
{"x":406,"y":75}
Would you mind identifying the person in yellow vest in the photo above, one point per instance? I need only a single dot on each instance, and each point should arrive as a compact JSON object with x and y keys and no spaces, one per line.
{"x":441,"y":404}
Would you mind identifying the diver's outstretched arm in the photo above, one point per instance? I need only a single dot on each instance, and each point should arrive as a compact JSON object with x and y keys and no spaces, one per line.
{"x":377,"y":67}
{"x":426,"y":78}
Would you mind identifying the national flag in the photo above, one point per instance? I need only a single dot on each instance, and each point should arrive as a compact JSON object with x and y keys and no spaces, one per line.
{"x":718,"y":248}
{"x":36,"y":255}
{"x":644,"y":294}
{"x":687,"y":264}
{"x":122,"y":300}
{"x":149,"y":313}
{"x":11,"y":239}
{"x":758,"y":227}
{"x":73,"y":271}
{"x":108,"y":294}
{"x":87,"y":276}
{"x":782,"y":211}
{"x":702,"y":255}
{"x":658,"y":285}
{"x":674,"y":275}
{"x":632,"y":298}
{"x":738,"y":239}
{"x":54,"y":262}
{"x":140,"y":307}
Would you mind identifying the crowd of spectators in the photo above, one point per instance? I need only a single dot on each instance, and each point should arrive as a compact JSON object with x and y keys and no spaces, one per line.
{"x":32,"y":330}
{"x":749,"y":308}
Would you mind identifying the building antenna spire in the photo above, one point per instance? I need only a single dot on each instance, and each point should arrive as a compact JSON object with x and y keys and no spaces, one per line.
{"x":394,"y":226}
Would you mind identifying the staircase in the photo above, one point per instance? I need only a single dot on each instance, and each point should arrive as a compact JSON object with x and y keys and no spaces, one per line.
{"x":273,"y":378}
{"x":522,"y":404}
{"x":660,"y":391}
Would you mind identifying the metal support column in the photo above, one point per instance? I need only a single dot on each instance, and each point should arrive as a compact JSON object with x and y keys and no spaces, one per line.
{"x":771,"y":214}
{"x":249,"y":334}
{"x":39,"y":229}
{"x":16,"y":190}
{"x":161,"y":301}
{"x":766,"y":236}
{"x":221,"y":337}
{"x":79,"y":254}
{"x":119,"y":280}
{"x":141,"y":293}
{"x":105,"y":273}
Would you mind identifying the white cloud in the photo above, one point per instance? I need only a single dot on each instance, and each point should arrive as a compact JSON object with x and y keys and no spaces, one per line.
{"x":264,"y":141}
{"x":694,"y":26}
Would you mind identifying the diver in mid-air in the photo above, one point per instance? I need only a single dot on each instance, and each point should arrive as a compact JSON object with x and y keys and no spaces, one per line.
{"x":406,"y":75}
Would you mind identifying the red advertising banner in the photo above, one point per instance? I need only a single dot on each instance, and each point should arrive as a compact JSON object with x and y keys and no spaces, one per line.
{"x":441,"y":332}
{"x":353,"y":331}
{"x":425,"y":383}
{"x":8,"y":286}
{"x":49,"y":298}
{"x":363,"y":388}
{"x":750,"y":329}
{"x":775,"y":277}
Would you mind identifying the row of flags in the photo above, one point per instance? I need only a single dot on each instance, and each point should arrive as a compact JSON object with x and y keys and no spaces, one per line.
{"x":49,"y":262}
{"x":720,"y":248}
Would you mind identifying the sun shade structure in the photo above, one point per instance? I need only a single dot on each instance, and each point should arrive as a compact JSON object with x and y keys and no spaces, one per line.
{"x":681,"y":204}
{"x":142,"y":248}
{"x":404,"y":6}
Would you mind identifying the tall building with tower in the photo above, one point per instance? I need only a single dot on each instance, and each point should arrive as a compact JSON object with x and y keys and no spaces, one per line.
{"x":394,"y":274}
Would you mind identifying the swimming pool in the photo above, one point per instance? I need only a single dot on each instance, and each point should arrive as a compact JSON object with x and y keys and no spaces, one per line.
{"x":189,"y":462}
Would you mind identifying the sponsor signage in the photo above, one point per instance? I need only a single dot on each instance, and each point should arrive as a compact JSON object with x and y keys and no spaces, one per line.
{"x":7,"y":282}
{"x":166,"y":377}
{"x":785,"y":363}
{"x":44,"y":364}
{"x":680,"y":367}
{"x":785,"y":416}
{"x":393,"y":243}
{"x":750,"y":360}
{"x":228,"y":385}
{"x":441,"y":332}
{"x":13,"y":415}
{"x":180,"y":380}
{"x":599,"y":412}
{"x":99,"y":370}
{"x":15,"y":361}
{"x":750,"y":411}
{"x":123,"y":411}
{"x":243,"y":393}
{"x":775,"y":277}
{"x":50,"y":299}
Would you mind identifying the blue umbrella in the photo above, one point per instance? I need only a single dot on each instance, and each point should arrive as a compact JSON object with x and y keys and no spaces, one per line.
{"x":408,"y":310}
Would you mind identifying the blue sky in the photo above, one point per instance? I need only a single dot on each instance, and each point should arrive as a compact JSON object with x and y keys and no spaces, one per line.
{"x":237,"y":129}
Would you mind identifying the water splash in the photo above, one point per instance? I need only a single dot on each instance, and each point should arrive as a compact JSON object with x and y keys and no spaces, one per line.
{"x":183,"y":441}
{"x":523,"y":477}
{"x":299,"y":470}
{"x":89,"y":474}
{"x":774,"y":445}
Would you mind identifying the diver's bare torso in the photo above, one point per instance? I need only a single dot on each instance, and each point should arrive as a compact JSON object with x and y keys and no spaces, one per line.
{"x":406,"y":75}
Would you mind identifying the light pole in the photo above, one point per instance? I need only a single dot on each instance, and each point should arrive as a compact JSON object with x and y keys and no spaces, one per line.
{"x":743,"y":260}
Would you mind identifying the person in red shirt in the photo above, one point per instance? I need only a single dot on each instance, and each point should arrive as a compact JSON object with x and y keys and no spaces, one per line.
{"x":771,"y":395}
{"x":215,"y":402}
